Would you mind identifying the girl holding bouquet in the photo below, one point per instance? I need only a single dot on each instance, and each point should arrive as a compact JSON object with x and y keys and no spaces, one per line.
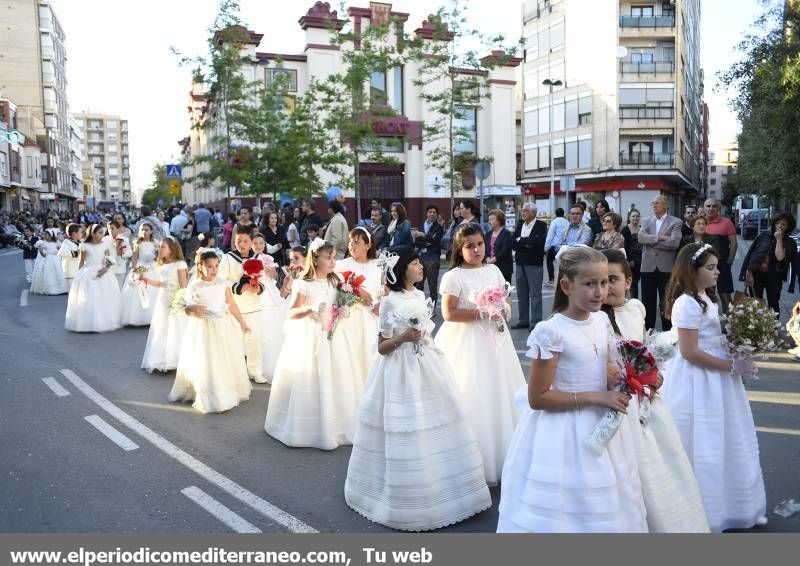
{"x":120,"y":251}
{"x":94,"y":302}
{"x":302,"y":410}
{"x":138,"y":297}
{"x":297,"y":262}
{"x":704,"y":389}
{"x":479,"y":348}
{"x":166,"y":329}
{"x":671,"y":494}
{"x":553,"y":481}
{"x":211,"y":370}
{"x":48,"y":277}
{"x":415,"y":463}
{"x":273,"y":310}
{"x":355,"y":339}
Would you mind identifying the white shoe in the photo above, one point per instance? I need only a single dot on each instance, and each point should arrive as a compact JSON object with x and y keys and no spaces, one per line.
{"x":259,"y":379}
{"x":762,"y":520}
{"x":794,"y":351}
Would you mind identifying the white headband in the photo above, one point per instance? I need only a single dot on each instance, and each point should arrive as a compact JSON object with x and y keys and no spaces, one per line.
{"x":563,"y":249}
{"x":386,"y":261}
{"x":704,"y":248}
{"x":369,"y":238}
{"x":316,"y":244}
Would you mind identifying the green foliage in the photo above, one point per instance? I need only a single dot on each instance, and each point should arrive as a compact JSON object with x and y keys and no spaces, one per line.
{"x":158,"y":188}
{"x":766,"y":98}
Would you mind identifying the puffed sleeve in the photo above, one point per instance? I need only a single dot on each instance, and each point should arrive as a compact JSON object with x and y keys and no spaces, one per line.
{"x":82,"y":247}
{"x":687,"y":313}
{"x":386,"y":318}
{"x":450,"y":284}
{"x":180,"y":264}
{"x":544,"y":341}
{"x":608,"y":334}
{"x":639,"y":307}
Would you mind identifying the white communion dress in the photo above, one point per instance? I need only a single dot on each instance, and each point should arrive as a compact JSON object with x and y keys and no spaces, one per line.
{"x":134,"y":311}
{"x":415,"y":463}
{"x":485,"y":366}
{"x":94,"y":302}
{"x":671,"y":494}
{"x":274,"y":309}
{"x":48,"y":275}
{"x":302,"y":410}
{"x":211,"y":369}
{"x":166,"y":329}
{"x":713,"y":417}
{"x":553,"y":482}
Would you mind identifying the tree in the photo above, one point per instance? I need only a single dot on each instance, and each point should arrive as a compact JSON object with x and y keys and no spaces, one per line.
{"x":453,"y":82}
{"x":158,"y":189}
{"x":766,"y":98}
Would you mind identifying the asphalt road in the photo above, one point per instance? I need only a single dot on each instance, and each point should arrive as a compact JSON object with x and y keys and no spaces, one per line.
{"x":169,"y":469}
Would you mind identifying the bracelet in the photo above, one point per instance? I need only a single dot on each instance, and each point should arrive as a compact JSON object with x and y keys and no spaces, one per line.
{"x":577,"y":405}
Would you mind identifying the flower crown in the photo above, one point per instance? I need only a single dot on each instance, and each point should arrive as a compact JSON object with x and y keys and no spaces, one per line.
{"x":704,"y":248}
{"x":316,"y":244}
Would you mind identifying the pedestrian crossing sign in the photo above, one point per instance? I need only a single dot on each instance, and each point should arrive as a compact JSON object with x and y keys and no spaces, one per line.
{"x":173,"y":172}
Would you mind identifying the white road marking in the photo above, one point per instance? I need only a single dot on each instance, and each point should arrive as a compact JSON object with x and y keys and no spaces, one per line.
{"x":292,"y":523}
{"x":55,"y":386}
{"x":23,"y":298}
{"x":789,"y":431}
{"x":234,"y":521}
{"x":111,"y":433}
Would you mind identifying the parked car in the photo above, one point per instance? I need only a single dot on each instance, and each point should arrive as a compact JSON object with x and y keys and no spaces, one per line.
{"x":755,"y":222}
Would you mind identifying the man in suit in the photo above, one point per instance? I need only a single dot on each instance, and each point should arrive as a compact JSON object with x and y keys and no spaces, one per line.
{"x":529,"y":238}
{"x":376,"y":229}
{"x":660,"y":237}
{"x":429,"y":243}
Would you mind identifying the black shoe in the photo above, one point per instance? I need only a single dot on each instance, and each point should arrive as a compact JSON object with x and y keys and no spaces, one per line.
{"x":519,"y":325}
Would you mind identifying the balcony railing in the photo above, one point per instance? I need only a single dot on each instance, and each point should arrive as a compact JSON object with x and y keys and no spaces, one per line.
{"x":653,"y":68}
{"x":646,"y":112}
{"x":647,"y":21}
{"x":647,"y":159}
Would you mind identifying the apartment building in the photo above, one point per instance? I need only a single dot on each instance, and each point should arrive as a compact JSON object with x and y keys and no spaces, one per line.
{"x":412,"y":180}
{"x":722,"y":160}
{"x":33,"y":75}
{"x":106,"y":147}
{"x":21,"y":161}
{"x":624,"y":119}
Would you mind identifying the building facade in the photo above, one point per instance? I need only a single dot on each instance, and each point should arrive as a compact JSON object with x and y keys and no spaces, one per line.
{"x":21,"y":161}
{"x":412,"y":181}
{"x":626,"y":121}
{"x":33,"y":75}
{"x":106,"y":147}
{"x":722,"y":159}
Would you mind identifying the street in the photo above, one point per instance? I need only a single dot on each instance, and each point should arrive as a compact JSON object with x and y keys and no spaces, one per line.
{"x":91,"y":444}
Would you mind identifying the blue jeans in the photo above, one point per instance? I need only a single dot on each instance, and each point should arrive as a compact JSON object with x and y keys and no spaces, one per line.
{"x":529,"y":293}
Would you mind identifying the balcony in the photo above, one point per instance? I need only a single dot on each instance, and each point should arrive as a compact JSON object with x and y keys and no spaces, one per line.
{"x":640,"y":22}
{"x":646,"y":113}
{"x":647,"y":160}
{"x":653,"y":68}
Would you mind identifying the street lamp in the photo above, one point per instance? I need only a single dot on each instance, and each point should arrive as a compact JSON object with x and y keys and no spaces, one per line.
{"x":551,"y":83}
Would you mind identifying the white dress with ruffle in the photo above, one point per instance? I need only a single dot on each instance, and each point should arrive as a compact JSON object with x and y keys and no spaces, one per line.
{"x":415,"y":464}
{"x":671,"y":494}
{"x":48,"y":275}
{"x":211,"y":369}
{"x":133,"y":313}
{"x":553,"y":482}
{"x":302,"y":410}
{"x":94,"y":302}
{"x":166,"y":329}
{"x":485,"y":365}
{"x":713,"y":417}
{"x":274,"y":309}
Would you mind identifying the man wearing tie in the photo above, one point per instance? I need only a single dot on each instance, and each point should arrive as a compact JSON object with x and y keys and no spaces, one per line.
{"x":660,"y":237}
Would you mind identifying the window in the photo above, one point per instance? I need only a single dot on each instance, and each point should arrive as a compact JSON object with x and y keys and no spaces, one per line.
{"x":559,"y":161}
{"x":468,"y":90}
{"x":3,"y":165}
{"x":713,"y":168}
{"x":642,"y":57}
{"x":557,"y":36}
{"x":667,"y":9}
{"x":571,"y":158}
{"x":397,"y":99}
{"x":465,"y":130}
{"x":712,"y":182}
{"x":558,"y":116}
{"x":377,"y":88}
{"x":531,"y":122}
{"x":585,"y":110}
{"x":642,"y":11}
{"x":571,"y":111}
{"x":544,"y":157}
{"x":386,"y":145}
{"x":111,"y":125}
{"x":584,"y":153}
{"x":544,"y":121}
{"x":286,"y":77}
{"x":113,"y":171}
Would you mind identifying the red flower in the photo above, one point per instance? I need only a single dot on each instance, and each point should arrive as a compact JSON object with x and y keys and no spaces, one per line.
{"x":355,"y":281}
{"x":253,"y":268}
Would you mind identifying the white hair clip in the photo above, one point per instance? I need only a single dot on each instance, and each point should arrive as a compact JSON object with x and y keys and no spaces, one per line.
{"x":201,"y":251}
{"x":316,"y":244}
{"x":704,"y":248}
{"x":386,"y":261}
{"x":563,"y":249}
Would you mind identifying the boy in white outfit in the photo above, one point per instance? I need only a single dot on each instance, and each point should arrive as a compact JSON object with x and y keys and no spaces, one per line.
{"x":69,"y":253}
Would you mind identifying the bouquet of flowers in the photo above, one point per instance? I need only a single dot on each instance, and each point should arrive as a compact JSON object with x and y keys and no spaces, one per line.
{"x":491,"y":302}
{"x":135,"y":281}
{"x":337,"y":312}
{"x":348,"y":294}
{"x":253,"y":268}
{"x":662,"y":345}
{"x":417,"y":316}
{"x":752,"y":329}
{"x":22,"y":243}
{"x":178,"y":301}
{"x":120,"y":245}
{"x":639,"y":371}
{"x":293,"y":271}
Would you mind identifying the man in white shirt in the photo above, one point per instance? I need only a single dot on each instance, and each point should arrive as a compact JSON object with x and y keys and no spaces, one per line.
{"x":553,"y":242}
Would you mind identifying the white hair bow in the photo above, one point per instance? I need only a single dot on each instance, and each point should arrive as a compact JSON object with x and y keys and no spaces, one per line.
{"x":316,"y":244}
{"x":201,"y":251}
{"x":562,"y":250}
{"x":699,"y":252}
{"x":386,"y":261}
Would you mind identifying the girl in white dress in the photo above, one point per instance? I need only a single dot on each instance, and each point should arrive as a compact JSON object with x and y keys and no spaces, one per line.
{"x":48,"y":277}
{"x":671,"y":494}
{"x":302,"y":408}
{"x":483,"y":358}
{"x":708,"y":401}
{"x":553,"y":481}
{"x":120,"y":251}
{"x":138,"y":310}
{"x":415,"y":463}
{"x":69,"y":253}
{"x":94,"y":302}
{"x":211,"y":369}
{"x":355,"y":342}
{"x":166,"y":328}
{"x":273,"y":311}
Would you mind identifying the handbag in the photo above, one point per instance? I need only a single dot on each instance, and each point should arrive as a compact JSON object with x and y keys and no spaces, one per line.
{"x":746,"y":295}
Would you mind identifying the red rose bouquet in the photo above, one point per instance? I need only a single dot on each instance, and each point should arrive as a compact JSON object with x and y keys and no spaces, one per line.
{"x":253,"y":268}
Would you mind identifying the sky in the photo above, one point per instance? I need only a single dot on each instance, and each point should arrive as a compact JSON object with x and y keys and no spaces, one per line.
{"x":119,"y":58}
